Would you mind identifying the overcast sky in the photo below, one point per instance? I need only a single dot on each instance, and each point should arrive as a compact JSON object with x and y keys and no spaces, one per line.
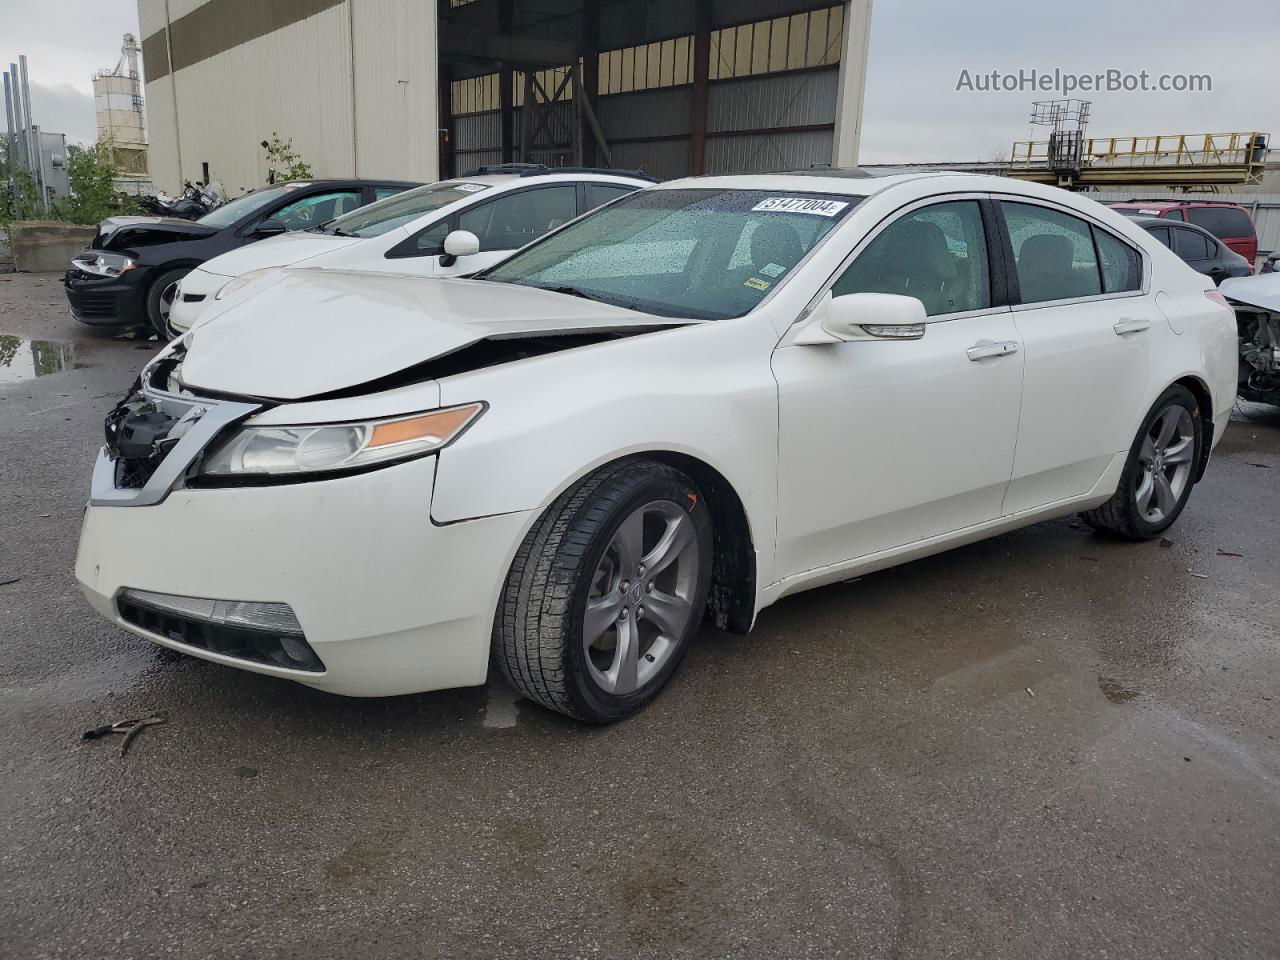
{"x":919,"y":49}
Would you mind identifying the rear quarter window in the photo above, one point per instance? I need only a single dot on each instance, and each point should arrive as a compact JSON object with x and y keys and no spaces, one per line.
{"x":1223,"y":222}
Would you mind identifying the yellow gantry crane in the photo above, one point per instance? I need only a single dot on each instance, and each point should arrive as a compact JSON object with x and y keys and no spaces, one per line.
{"x":1069,"y":159}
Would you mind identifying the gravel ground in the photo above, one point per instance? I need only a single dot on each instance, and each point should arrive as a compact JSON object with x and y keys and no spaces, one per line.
{"x":867,"y":775}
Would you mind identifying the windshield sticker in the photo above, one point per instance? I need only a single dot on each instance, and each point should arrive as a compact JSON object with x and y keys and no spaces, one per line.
{"x":1150,"y":213}
{"x":818,"y":208}
{"x":773,"y":270}
{"x":471,"y":187}
{"x":755,"y":283}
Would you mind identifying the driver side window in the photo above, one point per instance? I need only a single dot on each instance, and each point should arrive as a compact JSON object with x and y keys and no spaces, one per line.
{"x":316,"y":209}
{"x":937,"y":254}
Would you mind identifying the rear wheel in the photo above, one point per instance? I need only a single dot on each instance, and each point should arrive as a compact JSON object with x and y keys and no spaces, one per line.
{"x":606,"y":592}
{"x":160,"y":297}
{"x":1159,"y":473}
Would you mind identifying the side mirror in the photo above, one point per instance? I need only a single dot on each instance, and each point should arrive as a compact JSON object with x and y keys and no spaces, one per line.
{"x":271,"y":227}
{"x":865,"y":316}
{"x":459,"y":243}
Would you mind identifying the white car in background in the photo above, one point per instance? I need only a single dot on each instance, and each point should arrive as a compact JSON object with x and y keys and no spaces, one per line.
{"x":504,"y":207}
{"x":707,"y":395}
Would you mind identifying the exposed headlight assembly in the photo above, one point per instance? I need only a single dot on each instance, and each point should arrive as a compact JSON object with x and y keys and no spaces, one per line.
{"x":326,"y":448}
{"x":242,"y":281}
{"x":104,"y":264}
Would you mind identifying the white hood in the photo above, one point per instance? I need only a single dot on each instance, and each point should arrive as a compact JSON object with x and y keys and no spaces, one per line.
{"x":282,"y":251}
{"x":302,"y":333}
{"x":1260,"y":291}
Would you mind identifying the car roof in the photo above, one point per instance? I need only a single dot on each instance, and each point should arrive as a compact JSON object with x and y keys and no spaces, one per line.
{"x":308,"y":182}
{"x":819,"y":180}
{"x":553,"y":175}
{"x":1145,"y":222}
{"x":1172,"y":204}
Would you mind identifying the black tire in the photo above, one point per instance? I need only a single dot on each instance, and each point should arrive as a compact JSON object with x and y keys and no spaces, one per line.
{"x":1120,"y":516}
{"x":152,"y":302}
{"x":538,"y":627}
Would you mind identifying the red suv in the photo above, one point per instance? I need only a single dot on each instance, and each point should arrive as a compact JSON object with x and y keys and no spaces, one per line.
{"x":1229,"y":222}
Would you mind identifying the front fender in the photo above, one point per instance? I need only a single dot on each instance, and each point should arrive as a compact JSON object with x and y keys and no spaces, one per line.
{"x":703,"y":391}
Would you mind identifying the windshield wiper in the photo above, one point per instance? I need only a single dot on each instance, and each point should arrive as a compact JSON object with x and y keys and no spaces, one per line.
{"x":572,"y":291}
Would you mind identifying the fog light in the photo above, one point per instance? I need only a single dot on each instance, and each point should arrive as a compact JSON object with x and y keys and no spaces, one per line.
{"x":272,"y":617}
{"x":247,"y":630}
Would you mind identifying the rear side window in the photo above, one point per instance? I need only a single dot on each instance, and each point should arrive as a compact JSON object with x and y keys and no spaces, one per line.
{"x":1053,"y":252}
{"x":1161,"y":234}
{"x":1175,"y":215}
{"x":1190,"y":245}
{"x":599,"y":194}
{"x":937,"y":254}
{"x":1223,"y":222}
{"x":1121,"y":264}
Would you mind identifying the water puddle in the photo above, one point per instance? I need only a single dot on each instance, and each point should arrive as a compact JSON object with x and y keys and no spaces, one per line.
{"x":22,"y":359}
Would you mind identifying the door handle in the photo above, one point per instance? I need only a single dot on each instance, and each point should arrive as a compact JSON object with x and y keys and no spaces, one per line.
{"x":1130,"y":326}
{"x":984,"y":349}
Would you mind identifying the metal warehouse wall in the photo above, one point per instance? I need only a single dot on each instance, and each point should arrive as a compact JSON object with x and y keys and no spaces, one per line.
{"x":773,"y":94}
{"x":340,"y":80}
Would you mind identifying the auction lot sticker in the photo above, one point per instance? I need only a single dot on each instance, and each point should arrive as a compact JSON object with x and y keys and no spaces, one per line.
{"x":818,"y":208}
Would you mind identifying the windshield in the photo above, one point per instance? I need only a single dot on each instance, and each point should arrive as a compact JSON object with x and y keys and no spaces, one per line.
{"x":385,"y":215}
{"x":703,"y":254}
{"x":236,"y":210}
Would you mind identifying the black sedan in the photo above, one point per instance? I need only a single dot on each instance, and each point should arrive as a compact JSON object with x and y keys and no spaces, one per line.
{"x":128,"y":273}
{"x":1199,"y":248}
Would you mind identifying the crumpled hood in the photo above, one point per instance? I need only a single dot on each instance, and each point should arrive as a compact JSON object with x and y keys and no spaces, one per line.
{"x":115,"y":233}
{"x":282,"y":251}
{"x":1260,"y":291}
{"x":303,"y":333}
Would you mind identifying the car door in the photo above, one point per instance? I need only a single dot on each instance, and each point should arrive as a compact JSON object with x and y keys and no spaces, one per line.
{"x":1195,"y":249}
{"x":502,"y":225}
{"x":1086,"y":327}
{"x":316,"y":208}
{"x":884,"y":443}
{"x":506,"y":223}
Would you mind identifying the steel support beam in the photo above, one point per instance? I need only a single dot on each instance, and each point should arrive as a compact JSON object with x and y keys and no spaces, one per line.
{"x":852,"y":83}
{"x":701,"y":72}
{"x":466,"y":43}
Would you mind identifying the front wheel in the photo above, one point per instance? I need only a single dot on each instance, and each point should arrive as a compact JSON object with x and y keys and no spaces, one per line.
{"x":606,"y":592}
{"x":1159,"y":473}
{"x":160,"y":297}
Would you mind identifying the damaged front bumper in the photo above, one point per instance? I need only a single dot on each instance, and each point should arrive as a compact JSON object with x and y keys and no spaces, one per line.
{"x":376,"y":599}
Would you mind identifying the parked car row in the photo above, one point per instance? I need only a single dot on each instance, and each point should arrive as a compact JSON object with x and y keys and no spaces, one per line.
{"x":1229,"y":222}
{"x":702,"y":396}
{"x":162,"y":272}
{"x":503,"y":208}
{"x":128,"y":275}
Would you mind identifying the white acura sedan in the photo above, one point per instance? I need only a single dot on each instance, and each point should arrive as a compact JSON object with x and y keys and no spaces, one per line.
{"x":698,"y":399}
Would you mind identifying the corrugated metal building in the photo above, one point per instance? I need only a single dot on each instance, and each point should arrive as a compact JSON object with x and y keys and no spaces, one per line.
{"x":419,"y":89}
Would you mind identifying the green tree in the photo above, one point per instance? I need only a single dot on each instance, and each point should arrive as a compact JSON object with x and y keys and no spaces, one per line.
{"x":283,"y":162}
{"x":92,"y":172}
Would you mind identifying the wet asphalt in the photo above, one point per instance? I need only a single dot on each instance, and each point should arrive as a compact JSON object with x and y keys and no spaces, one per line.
{"x":1044,"y":745}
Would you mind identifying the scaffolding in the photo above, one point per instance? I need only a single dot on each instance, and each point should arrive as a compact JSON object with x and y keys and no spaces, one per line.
{"x":1191,"y":161}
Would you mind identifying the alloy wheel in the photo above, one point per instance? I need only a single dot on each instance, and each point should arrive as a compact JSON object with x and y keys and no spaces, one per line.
{"x":641,"y":597}
{"x":167,"y":296}
{"x":1166,"y":463}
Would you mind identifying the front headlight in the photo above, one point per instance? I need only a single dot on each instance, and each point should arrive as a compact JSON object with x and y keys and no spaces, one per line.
{"x":242,"y":281}
{"x":324,"y":448}
{"x":104,"y":264}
